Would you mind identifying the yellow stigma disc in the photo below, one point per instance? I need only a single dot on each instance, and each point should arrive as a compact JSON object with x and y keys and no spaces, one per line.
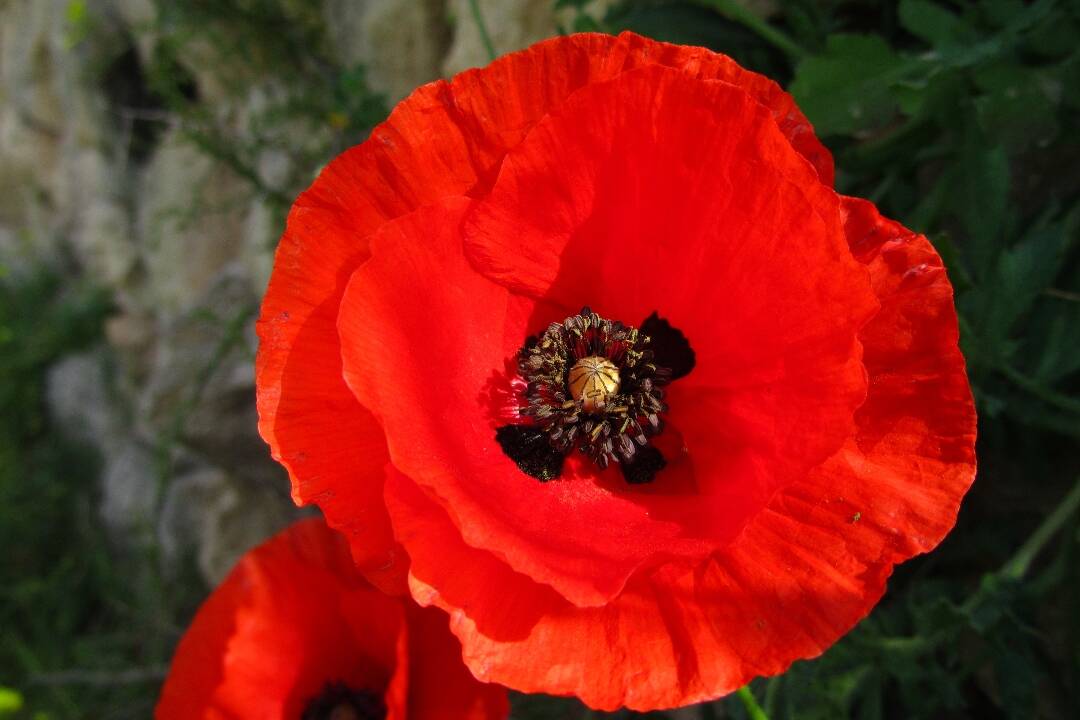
{"x":593,"y":381}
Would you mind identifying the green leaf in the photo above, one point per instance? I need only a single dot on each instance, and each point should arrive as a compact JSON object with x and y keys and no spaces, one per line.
{"x":849,"y":87}
{"x":1029,"y":268}
{"x":78,"y":21}
{"x":1020,"y":276}
{"x":1054,"y":36}
{"x":11,"y":701}
{"x":1016,"y":109}
{"x":1068,"y":74}
{"x":937,"y":617}
{"x":1016,"y":682}
{"x":979,"y":191}
{"x":76,"y":13}
{"x":991,"y":603}
{"x":934,"y":94}
{"x":933,"y":23}
{"x":1058,"y":357}
{"x":870,"y":701}
{"x":1002,"y":12}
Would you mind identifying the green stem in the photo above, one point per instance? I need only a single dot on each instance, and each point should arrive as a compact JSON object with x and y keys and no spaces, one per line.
{"x":734,"y":11}
{"x":750,"y":703}
{"x":1014,"y":569}
{"x":1040,"y":391}
{"x":223,"y":152}
{"x":1018,"y":566}
{"x":1024,"y":382}
{"x":478,"y":17}
{"x":772,"y":695}
{"x":911,"y":646}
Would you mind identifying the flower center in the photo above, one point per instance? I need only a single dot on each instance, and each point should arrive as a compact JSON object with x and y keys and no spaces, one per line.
{"x":338,"y":701}
{"x":593,"y":381}
{"x":596,"y":386}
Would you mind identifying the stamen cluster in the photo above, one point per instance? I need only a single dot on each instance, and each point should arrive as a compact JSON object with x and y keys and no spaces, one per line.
{"x":338,"y":701}
{"x":607,"y":430}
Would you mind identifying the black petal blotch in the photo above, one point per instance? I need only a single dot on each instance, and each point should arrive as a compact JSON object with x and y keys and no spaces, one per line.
{"x":647,"y":461}
{"x":531,"y":450}
{"x":670,"y":347}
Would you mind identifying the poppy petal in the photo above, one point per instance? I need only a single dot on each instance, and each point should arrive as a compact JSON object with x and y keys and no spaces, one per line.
{"x":312,"y":423}
{"x":440,"y":685}
{"x":632,"y":652}
{"x":657,"y":189}
{"x":291,"y":617}
{"x":295,"y":619}
{"x":438,"y":346}
{"x":447,"y":138}
{"x":801,"y":573}
{"x":704,"y":64}
{"x":918,"y":424}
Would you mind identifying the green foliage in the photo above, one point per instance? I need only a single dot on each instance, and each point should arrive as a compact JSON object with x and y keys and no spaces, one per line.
{"x":954,"y":123}
{"x":68,"y":604}
{"x":846,"y":89}
{"x":11,"y":702}
{"x":37,"y":323}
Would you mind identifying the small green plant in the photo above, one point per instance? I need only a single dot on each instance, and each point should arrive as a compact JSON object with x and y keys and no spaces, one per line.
{"x":87,"y":631}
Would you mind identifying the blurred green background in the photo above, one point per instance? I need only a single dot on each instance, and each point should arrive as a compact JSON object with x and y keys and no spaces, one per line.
{"x":149,"y":152}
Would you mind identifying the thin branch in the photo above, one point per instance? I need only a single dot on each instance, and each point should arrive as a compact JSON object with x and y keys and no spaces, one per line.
{"x":1018,"y":566}
{"x":1062,"y":294}
{"x":737,"y":12}
{"x":485,"y":37}
{"x":1050,"y":397}
{"x":165,"y":117}
{"x":99,"y":678}
{"x":1062,"y":402}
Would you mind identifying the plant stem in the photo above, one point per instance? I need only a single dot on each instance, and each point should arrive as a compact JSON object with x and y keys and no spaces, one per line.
{"x":478,"y":17}
{"x":1019,"y":564}
{"x":735,"y":12}
{"x":1037,"y":389}
{"x":750,"y":703}
{"x":1024,"y":382}
{"x":101,"y":678}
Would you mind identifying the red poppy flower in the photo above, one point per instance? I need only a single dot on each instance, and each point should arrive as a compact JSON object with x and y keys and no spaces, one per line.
{"x":296,"y":632}
{"x":706,"y":473}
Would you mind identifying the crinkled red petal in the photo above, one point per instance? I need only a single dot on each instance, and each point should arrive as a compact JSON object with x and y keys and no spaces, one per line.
{"x":426,"y":357}
{"x":705,"y":64}
{"x":778,"y":374}
{"x":447,"y":138}
{"x":657,"y":191}
{"x":295,"y":616}
{"x":292,"y":616}
{"x":802,"y":572}
{"x":440,"y":685}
